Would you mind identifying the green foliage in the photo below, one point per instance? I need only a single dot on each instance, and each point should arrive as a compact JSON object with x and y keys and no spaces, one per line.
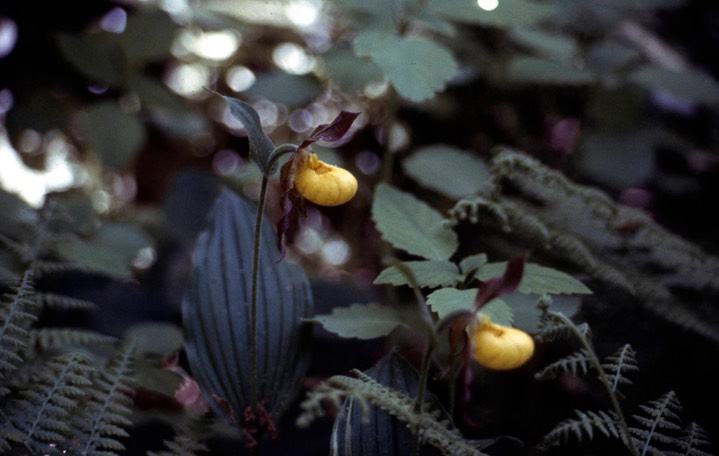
{"x":366,"y":390}
{"x":362,"y":321}
{"x":416,"y":67}
{"x":584,"y":227}
{"x":43,"y":411}
{"x":109,"y":250}
{"x":411,"y":225}
{"x":447,"y":170}
{"x":105,"y":415}
{"x":18,"y":310}
{"x":429,"y":273}
{"x":446,"y":301}
{"x":653,"y":431}
{"x":113,"y":134}
{"x":537,"y":279}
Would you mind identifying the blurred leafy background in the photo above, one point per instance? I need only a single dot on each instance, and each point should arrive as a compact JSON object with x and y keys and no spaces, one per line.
{"x":103,"y":110}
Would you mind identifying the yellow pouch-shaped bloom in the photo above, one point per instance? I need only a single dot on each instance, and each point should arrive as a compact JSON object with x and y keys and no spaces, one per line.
{"x":500,"y":347}
{"x":324,"y":184}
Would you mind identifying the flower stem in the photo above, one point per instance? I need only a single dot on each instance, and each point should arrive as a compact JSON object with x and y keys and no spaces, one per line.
{"x":255,"y":284}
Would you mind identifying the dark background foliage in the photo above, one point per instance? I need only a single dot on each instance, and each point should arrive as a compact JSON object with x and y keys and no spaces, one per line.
{"x":650,"y":148}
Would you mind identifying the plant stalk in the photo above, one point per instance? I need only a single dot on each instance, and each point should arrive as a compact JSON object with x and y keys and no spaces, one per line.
{"x":421,"y":390}
{"x":255,"y":284}
{"x":587,"y":345}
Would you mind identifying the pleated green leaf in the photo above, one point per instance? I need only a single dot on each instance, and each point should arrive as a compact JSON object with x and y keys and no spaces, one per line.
{"x":216,"y":315}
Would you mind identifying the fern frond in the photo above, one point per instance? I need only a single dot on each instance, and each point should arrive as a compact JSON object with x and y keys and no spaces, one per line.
{"x":64,"y":302}
{"x":17,"y":248}
{"x":187,"y":441}
{"x":105,"y":415}
{"x":616,"y":366}
{"x":365,"y":390}
{"x":659,"y":424}
{"x":17,"y":313}
{"x":43,"y":410}
{"x":8,"y":277}
{"x":58,"y":338}
{"x":584,"y":427}
{"x":692,"y":442}
{"x":575,"y":363}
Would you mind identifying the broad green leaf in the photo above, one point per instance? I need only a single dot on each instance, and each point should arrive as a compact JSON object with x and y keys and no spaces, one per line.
{"x":96,"y":56}
{"x":618,"y":159}
{"x":113,"y":134}
{"x":692,"y":85}
{"x":447,"y":300}
{"x":417,"y":67}
{"x":109,"y":250}
{"x":361,"y":321}
{"x":447,"y":170}
{"x":426,"y":274}
{"x":148,"y":36}
{"x":555,"y":46}
{"x":349,"y":72}
{"x":289,"y":89}
{"x":507,"y":14}
{"x":472,"y":262}
{"x":537,"y":279}
{"x":156,"y":338}
{"x":411,"y":225}
{"x":536,"y":70}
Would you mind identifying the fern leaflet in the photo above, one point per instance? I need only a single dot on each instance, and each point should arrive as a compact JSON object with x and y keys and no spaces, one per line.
{"x":17,"y":313}
{"x":42,"y":414}
{"x":575,"y":363}
{"x":694,"y":438}
{"x":105,"y":416}
{"x":617,"y":365}
{"x":586,"y":423}
{"x":658,"y":424}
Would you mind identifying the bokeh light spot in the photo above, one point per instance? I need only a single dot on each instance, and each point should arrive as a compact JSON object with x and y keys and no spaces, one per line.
{"x":292,"y":58}
{"x":488,"y":5}
{"x":239,"y":78}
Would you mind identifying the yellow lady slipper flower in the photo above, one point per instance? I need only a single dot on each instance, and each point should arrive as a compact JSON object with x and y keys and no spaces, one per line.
{"x":324,"y":184}
{"x":500,"y":347}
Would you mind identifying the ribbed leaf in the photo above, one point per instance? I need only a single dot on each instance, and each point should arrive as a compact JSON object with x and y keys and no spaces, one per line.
{"x":216,"y":314}
{"x":372,"y":431}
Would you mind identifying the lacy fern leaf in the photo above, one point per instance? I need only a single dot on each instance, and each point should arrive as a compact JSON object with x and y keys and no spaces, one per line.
{"x":619,"y":364}
{"x":187,"y":441}
{"x":105,"y":416}
{"x":584,"y":427}
{"x":42,"y":413}
{"x":692,"y":443}
{"x":575,"y":363}
{"x":659,"y":424}
{"x":17,"y":313}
